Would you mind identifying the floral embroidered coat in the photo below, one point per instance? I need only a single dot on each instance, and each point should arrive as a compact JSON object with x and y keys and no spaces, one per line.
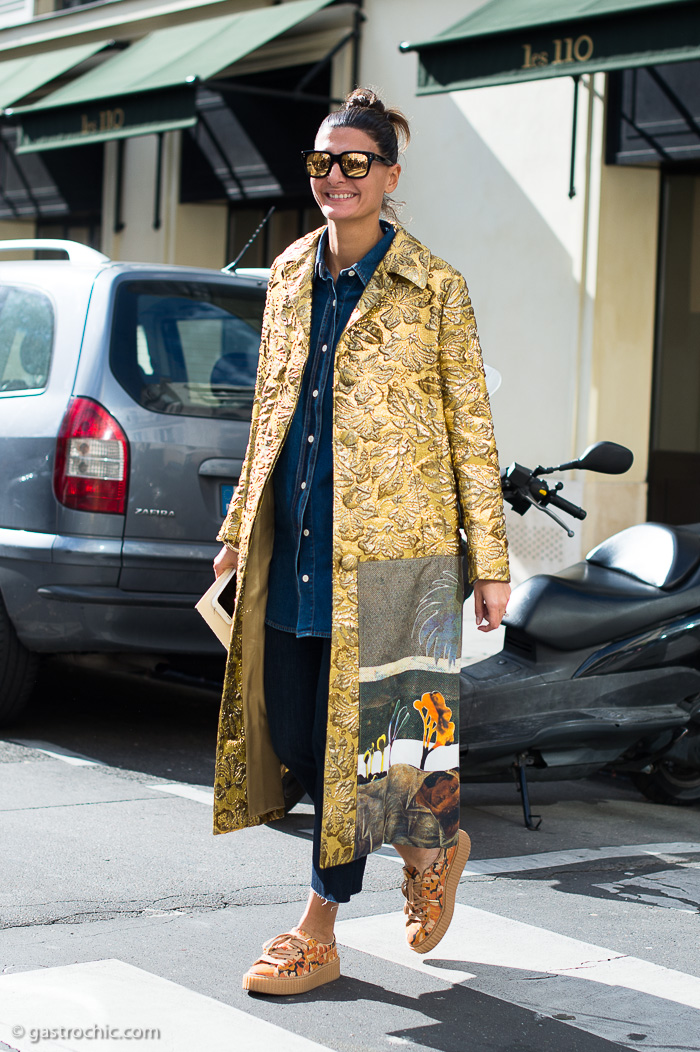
{"x":413,"y":457}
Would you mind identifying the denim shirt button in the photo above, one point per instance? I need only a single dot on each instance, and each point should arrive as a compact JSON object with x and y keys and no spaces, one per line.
{"x":303,"y":476}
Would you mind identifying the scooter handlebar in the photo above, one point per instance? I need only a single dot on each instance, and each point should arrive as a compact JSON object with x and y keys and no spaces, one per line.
{"x":522,"y":489}
{"x":566,"y":505}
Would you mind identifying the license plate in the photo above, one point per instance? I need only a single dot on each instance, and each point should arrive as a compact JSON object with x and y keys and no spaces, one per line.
{"x":226,"y":494}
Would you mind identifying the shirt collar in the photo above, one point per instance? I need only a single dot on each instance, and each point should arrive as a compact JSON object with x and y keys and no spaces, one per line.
{"x":365,"y":267}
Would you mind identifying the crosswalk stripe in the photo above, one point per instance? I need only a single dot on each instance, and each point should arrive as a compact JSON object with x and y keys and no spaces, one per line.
{"x":57,"y":752}
{"x":550,"y":859}
{"x":480,"y":867}
{"x":188,"y":792}
{"x":75,"y":1007}
{"x":499,"y":956}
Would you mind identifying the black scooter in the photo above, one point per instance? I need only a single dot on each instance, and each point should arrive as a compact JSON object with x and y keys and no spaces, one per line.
{"x":601,"y":661}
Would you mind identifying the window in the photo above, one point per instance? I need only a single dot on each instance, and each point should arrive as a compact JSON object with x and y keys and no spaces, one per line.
{"x":26,"y":339}
{"x":15,"y":12}
{"x":186,"y":347}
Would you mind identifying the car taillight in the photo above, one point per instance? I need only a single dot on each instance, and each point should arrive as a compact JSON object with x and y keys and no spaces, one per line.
{"x":92,"y":459}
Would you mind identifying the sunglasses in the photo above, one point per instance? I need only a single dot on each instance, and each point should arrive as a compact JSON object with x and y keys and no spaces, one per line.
{"x":355,"y":164}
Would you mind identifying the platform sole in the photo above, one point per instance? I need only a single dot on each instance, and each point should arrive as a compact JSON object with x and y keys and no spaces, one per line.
{"x":295,"y":984}
{"x":459,"y":861}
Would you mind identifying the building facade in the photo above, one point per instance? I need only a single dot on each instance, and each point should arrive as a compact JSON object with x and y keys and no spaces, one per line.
{"x":165,"y":130}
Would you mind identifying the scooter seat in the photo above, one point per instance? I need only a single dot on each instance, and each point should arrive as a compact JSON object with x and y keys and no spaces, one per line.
{"x":588,"y":604}
{"x":652,"y":553}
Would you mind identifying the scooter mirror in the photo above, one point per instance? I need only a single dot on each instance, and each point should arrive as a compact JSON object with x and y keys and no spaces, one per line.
{"x":607,"y":457}
{"x":493,"y":379}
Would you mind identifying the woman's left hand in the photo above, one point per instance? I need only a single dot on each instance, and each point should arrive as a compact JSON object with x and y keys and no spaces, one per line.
{"x":490,"y":602}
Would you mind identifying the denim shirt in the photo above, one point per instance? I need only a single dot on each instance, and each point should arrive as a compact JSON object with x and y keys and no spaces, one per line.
{"x":300,"y":586}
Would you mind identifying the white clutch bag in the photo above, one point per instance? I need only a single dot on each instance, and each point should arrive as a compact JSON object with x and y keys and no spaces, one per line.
{"x":216,"y":606}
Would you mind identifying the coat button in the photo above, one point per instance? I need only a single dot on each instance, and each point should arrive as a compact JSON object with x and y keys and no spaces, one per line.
{"x":349,"y":562}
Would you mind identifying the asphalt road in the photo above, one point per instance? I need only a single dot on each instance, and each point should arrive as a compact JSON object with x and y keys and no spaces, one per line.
{"x":120,"y":909}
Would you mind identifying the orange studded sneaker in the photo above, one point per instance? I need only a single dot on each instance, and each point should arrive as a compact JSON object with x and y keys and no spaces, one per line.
{"x":292,"y":964}
{"x":430,"y":896}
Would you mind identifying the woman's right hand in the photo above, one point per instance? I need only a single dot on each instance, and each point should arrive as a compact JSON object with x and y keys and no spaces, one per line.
{"x":227,"y":559}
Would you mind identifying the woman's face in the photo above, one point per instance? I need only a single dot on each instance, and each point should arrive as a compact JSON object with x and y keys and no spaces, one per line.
{"x":342,"y":199}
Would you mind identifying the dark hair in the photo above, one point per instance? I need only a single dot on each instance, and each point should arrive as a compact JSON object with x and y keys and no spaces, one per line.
{"x":364,"y":110}
{"x":436,"y":777}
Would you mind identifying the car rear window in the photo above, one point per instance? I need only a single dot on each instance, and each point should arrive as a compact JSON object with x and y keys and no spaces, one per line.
{"x":26,"y":339}
{"x":188,"y":347}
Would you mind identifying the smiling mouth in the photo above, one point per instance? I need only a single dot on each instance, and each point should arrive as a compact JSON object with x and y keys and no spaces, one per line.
{"x":340,"y":197}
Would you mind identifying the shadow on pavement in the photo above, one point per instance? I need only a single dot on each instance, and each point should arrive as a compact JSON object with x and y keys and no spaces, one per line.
{"x":464,"y":1019}
{"x":165,"y":729}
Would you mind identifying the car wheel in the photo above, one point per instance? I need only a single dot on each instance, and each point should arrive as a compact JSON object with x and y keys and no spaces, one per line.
{"x":669,"y":783}
{"x":18,"y":669}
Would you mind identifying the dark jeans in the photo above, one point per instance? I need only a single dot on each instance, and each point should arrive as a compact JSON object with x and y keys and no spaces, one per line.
{"x":296,"y":694}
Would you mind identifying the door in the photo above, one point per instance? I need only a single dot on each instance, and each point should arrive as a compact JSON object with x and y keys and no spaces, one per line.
{"x":674,"y":460}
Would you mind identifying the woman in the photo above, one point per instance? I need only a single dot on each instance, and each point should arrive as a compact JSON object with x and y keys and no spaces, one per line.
{"x":371,"y":443}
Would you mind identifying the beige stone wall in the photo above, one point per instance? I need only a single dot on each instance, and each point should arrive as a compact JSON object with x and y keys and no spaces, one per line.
{"x":193,"y":235}
{"x":619,"y":402}
{"x":10,"y":231}
{"x":200,"y":235}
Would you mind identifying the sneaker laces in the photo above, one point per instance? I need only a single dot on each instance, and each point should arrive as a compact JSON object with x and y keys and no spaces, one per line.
{"x":283,"y":947}
{"x":417,"y":902}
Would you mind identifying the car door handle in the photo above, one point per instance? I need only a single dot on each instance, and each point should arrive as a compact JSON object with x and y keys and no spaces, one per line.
{"x":222,"y":468}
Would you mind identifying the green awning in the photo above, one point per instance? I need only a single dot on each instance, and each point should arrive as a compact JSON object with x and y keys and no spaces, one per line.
{"x":150,"y":86}
{"x":510,"y":41}
{"x":19,"y":77}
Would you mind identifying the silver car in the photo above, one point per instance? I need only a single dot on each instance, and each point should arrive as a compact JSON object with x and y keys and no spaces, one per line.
{"x":125,"y":398}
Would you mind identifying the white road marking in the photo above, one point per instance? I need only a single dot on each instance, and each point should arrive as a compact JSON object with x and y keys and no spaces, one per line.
{"x":499,"y":956}
{"x":549,"y":859}
{"x":57,"y":752}
{"x":189,"y":792}
{"x":112,"y":994}
{"x":482,"y":867}
{"x":75,"y":759}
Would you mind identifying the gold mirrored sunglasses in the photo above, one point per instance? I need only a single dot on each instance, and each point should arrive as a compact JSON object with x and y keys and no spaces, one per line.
{"x":355,"y":164}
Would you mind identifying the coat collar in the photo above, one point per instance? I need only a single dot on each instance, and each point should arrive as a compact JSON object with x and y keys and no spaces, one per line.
{"x":406,"y":257}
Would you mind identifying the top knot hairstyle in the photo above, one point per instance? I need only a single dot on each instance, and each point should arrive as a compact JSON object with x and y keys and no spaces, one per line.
{"x":364,"y":110}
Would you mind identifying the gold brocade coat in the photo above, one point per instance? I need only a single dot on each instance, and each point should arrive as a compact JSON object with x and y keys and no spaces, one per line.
{"x":413,"y":457}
